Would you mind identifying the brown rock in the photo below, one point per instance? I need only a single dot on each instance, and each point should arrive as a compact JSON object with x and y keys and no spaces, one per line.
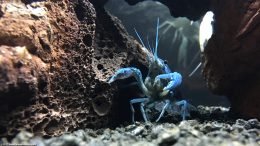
{"x":231,"y":58}
{"x":55,"y":59}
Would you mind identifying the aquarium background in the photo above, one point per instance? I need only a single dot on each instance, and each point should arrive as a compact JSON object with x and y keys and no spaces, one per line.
{"x":178,"y":44}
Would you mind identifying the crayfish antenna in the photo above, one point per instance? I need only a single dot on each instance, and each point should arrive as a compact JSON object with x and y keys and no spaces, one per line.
{"x":149,"y":46}
{"x":139,"y":38}
{"x":145,"y":48}
{"x":198,"y":66}
{"x":156,"y":39}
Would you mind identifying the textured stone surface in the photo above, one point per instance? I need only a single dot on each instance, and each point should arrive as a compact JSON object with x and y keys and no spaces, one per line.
{"x":231,"y":59}
{"x":55,"y":59}
{"x":195,"y":132}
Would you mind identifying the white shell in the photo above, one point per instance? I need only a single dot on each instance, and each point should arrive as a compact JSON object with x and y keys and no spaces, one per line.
{"x":206,"y":29}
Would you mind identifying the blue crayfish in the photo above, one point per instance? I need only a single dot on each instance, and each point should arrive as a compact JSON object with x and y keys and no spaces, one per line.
{"x":159,"y":85}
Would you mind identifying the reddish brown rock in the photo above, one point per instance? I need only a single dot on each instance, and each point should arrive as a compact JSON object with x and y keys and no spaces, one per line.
{"x":231,"y":58}
{"x":55,"y":59}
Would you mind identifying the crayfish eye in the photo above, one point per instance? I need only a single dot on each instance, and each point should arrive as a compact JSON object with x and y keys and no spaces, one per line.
{"x":165,"y":62}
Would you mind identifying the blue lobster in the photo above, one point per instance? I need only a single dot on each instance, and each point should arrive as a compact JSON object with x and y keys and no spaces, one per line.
{"x":159,"y":85}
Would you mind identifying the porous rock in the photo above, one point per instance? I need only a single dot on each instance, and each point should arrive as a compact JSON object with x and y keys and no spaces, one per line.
{"x":55,"y":60}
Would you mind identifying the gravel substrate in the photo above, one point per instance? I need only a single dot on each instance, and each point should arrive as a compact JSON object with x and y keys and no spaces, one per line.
{"x":196,"y":132}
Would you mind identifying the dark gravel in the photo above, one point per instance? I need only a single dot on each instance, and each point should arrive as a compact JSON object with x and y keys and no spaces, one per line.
{"x":212,"y":126}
